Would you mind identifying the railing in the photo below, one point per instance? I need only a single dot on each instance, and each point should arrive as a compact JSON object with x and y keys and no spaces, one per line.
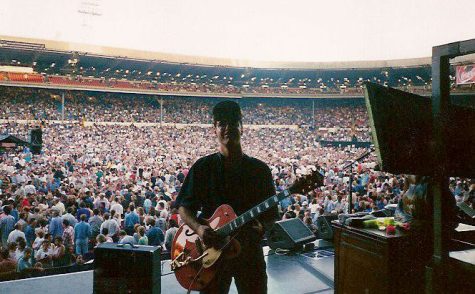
{"x":9,"y":276}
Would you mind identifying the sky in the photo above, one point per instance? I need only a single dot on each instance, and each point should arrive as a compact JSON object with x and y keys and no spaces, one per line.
{"x":296,"y":30}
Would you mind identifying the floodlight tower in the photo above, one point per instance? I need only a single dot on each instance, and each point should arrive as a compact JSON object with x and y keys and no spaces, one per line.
{"x":89,"y":9}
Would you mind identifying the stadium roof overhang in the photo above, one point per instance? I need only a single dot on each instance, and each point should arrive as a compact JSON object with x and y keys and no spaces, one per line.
{"x":56,"y":48}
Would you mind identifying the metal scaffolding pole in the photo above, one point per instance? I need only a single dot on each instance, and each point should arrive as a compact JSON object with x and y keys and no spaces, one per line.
{"x":313,"y":113}
{"x":161,"y":110}
{"x":62,"y":107}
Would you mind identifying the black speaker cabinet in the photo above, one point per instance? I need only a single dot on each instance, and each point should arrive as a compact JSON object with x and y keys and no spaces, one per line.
{"x":36,"y":140}
{"x":126,"y":269}
{"x":290,"y":234}
{"x":324,"y":226}
{"x":36,"y":136}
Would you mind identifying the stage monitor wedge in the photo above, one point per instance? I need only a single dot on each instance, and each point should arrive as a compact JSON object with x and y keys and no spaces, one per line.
{"x":290,"y":234}
{"x":401,"y":126}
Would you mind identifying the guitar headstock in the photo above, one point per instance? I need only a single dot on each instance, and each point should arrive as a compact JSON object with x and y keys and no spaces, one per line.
{"x":308,"y":182}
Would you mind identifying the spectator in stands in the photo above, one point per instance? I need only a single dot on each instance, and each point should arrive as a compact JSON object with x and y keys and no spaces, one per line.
{"x":24,"y":262}
{"x":124,"y":238}
{"x":38,"y":240}
{"x":70,"y":217}
{"x":111,"y":226}
{"x":117,"y":207}
{"x":100,"y":239}
{"x":12,"y":247}
{"x":95,"y":222}
{"x":20,"y":250}
{"x":143,"y":240}
{"x":59,"y":206}
{"x":68,"y":234}
{"x":154,"y":234}
{"x":108,"y":238}
{"x":170,"y":234}
{"x":7,"y":224}
{"x":7,"y":264}
{"x":83,"y":210}
{"x":329,"y":205}
{"x":131,"y":219}
{"x":60,"y":257}
{"x":56,"y":224}
{"x":30,"y":232}
{"x":82,"y":233}
{"x":45,"y":254}
{"x":15,"y":234}
{"x":22,"y":220}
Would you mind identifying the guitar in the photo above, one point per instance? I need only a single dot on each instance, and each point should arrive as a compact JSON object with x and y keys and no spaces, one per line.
{"x":195,"y":265}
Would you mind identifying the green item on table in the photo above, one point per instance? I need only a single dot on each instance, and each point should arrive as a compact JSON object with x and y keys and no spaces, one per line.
{"x":380,"y":223}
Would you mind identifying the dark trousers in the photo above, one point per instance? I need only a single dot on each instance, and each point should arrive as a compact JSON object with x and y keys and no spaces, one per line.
{"x":248,"y":270}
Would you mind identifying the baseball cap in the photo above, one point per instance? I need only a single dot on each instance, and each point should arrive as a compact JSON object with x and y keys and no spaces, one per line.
{"x":227,"y":111}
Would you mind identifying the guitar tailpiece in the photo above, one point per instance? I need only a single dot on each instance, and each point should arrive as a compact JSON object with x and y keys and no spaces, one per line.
{"x":176,"y":264}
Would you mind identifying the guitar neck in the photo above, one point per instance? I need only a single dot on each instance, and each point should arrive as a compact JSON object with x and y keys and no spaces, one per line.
{"x":252,"y":213}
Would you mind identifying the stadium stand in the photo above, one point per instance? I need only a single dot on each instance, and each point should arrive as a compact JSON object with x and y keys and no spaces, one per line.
{"x":114,"y":150}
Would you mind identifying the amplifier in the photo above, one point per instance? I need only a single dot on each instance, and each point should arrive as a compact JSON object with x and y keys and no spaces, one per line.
{"x":120,"y":268}
{"x":290,"y":234}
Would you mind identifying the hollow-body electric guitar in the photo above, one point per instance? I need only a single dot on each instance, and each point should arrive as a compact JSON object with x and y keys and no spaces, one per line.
{"x":195,"y":265}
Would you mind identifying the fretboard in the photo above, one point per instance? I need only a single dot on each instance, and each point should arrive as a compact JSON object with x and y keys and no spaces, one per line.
{"x":252,"y":213}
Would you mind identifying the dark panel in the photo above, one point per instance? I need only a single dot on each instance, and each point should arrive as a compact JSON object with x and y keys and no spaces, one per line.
{"x":126,"y":269}
{"x":401,"y":125}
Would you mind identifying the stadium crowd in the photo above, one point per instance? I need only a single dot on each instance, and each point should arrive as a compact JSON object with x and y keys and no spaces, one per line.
{"x":23,"y":103}
{"x":118,"y":184}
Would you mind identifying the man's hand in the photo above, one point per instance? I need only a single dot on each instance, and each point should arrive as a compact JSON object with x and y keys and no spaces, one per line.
{"x":210,"y":237}
{"x":258,"y":228}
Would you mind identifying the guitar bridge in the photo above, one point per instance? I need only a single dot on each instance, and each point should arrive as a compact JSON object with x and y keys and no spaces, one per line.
{"x":181,"y":260}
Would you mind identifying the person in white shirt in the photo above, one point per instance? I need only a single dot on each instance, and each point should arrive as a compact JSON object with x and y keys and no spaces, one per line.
{"x":15,"y":234}
{"x":30,"y":189}
{"x":58,"y":205}
{"x":124,"y":238}
{"x":111,"y":226}
{"x":45,"y":254}
{"x":20,"y":251}
{"x":117,"y":207}
{"x":161,"y":207}
{"x":39,"y":240}
{"x":102,"y":202}
{"x":147,"y":204}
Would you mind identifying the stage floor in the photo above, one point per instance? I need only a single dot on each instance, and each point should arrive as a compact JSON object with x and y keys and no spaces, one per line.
{"x":308,"y":273}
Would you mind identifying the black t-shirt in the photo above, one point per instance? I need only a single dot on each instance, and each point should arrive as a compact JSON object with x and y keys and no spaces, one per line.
{"x":207,"y":186}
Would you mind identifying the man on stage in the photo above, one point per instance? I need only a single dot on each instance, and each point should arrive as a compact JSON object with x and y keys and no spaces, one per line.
{"x":234,"y":178}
